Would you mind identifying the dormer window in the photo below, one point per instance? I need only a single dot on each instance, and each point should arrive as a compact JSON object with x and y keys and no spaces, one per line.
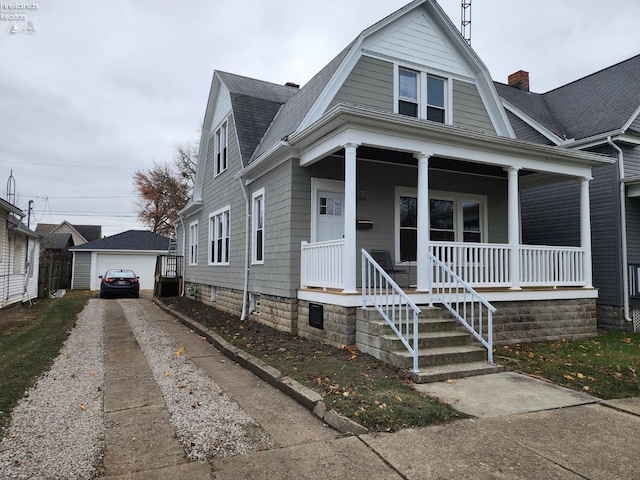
{"x":408,"y":92}
{"x":421,"y":95}
{"x":220,"y":154}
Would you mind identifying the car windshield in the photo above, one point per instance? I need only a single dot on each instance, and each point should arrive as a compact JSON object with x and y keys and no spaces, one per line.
{"x":120,"y":274}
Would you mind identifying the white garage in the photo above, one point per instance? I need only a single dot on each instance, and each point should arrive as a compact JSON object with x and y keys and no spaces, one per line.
{"x":136,"y":250}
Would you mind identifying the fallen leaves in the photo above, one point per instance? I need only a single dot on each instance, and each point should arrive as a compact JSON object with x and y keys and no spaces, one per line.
{"x":82,"y":406}
{"x":180,"y":351}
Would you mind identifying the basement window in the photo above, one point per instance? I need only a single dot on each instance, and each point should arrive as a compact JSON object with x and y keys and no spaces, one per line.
{"x":254,"y":303}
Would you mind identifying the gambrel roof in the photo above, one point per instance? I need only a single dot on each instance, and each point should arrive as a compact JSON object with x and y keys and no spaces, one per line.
{"x":605,"y":101}
{"x":254,"y":103}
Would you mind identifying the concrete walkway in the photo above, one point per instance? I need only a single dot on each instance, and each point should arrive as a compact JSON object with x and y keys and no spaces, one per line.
{"x":573,"y":439}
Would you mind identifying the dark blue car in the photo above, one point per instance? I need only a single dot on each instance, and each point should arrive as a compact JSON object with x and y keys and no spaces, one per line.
{"x":119,"y":283}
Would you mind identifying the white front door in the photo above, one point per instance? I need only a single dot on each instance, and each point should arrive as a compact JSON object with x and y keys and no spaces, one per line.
{"x":329,"y":216}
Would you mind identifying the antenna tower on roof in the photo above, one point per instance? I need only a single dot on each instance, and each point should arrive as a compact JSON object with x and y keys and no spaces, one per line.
{"x":465,"y":24}
{"x":11,"y":189}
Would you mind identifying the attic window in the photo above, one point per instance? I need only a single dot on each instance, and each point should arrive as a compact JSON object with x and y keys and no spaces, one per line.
{"x":421,"y":95}
{"x":408,"y":92}
{"x":220,"y":157}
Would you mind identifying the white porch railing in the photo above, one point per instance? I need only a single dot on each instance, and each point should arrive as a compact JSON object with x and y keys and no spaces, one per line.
{"x":464,"y":303}
{"x":321,"y":264}
{"x":401,"y":314}
{"x":551,"y":266}
{"x":480,"y":264}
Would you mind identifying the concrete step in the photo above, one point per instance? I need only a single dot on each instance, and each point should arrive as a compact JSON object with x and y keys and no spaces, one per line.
{"x":427,"y":340}
{"x":380,"y":327}
{"x":440,"y":356}
{"x":443,"y":373}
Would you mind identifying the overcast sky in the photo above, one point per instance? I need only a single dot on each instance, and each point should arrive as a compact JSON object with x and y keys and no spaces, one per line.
{"x":103,"y":88}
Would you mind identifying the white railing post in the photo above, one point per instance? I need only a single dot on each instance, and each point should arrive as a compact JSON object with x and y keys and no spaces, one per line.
{"x":513,"y":216}
{"x":350,"y":254}
{"x":585,"y":231}
{"x":422,"y":260}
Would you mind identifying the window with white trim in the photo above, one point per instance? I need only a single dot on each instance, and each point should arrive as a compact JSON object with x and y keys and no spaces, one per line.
{"x":258,"y":227}
{"x":453,"y":218}
{"x":18,"y":254}
{"x":220,"y":149}
{"x":422,"y":95}
{"x":193,"y":243}
{"x":219,"y":236}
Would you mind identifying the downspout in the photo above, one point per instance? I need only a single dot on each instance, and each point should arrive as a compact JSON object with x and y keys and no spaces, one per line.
{"x":184,"y":262}
{"x":245,"y":292}
{"x":623,"y":228}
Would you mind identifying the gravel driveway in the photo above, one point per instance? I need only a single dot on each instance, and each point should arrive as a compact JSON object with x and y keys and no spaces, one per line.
{"x":58,"y":430}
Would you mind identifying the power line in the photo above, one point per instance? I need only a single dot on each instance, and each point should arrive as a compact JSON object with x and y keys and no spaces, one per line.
{"x":47,"y":197}
{"x":101,"y":167}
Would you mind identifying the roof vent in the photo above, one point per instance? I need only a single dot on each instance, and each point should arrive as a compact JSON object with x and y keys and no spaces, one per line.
{"x":292,"y":84}
{"x":520,"y":80}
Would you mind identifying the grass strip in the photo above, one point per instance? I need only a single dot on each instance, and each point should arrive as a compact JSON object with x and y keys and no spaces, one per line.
{"x":30,"y":339}
{"x":606,"y":366}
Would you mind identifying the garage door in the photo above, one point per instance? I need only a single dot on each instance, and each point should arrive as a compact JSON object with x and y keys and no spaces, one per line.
{"x":143,"y":265}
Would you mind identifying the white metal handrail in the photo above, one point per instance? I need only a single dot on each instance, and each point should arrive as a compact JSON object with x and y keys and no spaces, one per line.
{"x":464,"y":303}
{"x":401,"y":314}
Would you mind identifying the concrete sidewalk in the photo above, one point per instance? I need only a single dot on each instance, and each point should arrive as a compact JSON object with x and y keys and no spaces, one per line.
{"x":586,"y":440}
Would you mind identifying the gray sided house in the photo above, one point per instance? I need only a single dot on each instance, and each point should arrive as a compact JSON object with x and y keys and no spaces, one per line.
{"x":598,"y":113}
{"x":137,"y":250}
{"x":19,"y":257}
{"x":398,"y":157}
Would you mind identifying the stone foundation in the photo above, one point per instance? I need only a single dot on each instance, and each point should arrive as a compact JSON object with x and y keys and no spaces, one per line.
{"x":611,"y":317}
{"x":276,"y":312}
{"x":548,"y":320}
{"x":339,"y":324}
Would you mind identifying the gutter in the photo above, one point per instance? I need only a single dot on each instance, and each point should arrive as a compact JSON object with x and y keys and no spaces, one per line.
{"x":245,"y":290}
{"x":623,"y":227}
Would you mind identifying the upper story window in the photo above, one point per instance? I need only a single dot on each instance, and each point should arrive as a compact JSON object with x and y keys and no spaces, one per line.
{"x":220,"y":153}
{"x":421,"y":95}
{"x":258,"y":226}
{"x":193,"y":243}
{"x":219,"y":237}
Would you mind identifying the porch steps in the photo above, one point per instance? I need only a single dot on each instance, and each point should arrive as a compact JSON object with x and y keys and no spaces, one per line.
{"x":444,"y":352}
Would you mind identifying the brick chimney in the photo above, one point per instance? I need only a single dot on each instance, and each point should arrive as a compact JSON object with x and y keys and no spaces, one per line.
{"x":520,"y":80}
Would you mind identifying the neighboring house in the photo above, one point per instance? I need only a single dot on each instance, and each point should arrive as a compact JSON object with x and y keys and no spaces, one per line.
{"x":56,"y":248}
{"x":80,"y":233}
{"x":134,"y":249}
{"x":598,"y":113}
{"x":400,"y":143}
{"x":19,"y":257}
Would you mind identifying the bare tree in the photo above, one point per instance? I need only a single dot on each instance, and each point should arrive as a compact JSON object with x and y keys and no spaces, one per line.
{"x":186,"y":160}
{"x":163,"y":192}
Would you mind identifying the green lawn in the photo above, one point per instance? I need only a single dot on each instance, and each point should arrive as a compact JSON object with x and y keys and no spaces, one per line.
{"x":606,"y":366}
{"x":30,"y":339}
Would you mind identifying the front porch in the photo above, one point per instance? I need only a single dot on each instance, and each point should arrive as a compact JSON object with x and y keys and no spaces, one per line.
{"x":540,"y":270}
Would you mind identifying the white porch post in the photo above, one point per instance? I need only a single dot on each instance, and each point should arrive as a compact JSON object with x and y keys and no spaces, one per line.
{"x":424,"y":208}
{"x":585,"y":230}
{"x":514,"y":227}
{"x":350,"y":218}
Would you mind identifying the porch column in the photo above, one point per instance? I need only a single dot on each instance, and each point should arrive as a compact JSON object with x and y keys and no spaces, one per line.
{"x":585,"y":230}
{"x":514,"y":226}
{"x":422,"y":252}
{"x":350,"y":254}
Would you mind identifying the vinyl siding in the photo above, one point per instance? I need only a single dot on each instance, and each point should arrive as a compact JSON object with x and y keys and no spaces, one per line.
{"x":468,"y":109}
{"x":551,"y":216}
{"x":419,"y":41}
{"x":632,"y":169}
{"x":219,"y":192}
{"x":370,"y":83}
{"x":81,"y":270}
